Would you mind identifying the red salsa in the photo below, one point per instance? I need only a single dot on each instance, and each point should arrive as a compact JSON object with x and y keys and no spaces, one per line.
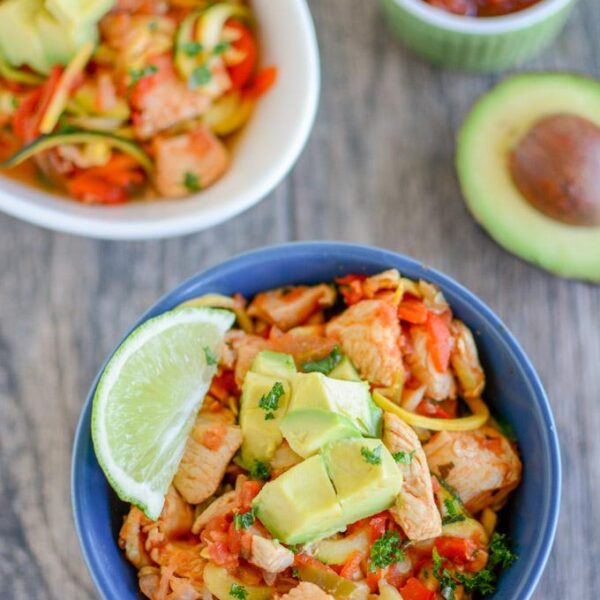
{"x":482,"y":8}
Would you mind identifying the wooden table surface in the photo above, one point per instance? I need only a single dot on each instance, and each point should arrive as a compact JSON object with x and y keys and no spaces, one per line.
{"x":379,"y":170}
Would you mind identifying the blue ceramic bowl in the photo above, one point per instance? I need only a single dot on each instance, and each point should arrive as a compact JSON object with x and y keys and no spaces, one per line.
{"x":513,"y":390}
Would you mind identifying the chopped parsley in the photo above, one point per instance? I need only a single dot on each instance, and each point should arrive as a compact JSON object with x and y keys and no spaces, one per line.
{"x":191,"y":181}
{"x":270,"y":401}
{"x":153,"y":25}
{"x":136,"y":75}
{"x":200,"y":76}
{"x":220,"y":48}
{"x":449,"y":519}
{"x":325,"y":365}
{"x":244,"y":520}
{"x":295,"y":572}
{"x":192,"y":48}
{"x":238,"y":591}
{"x":386,"y":551}
{"x":373,"y":457}
{"x":484,"y":581}
{"x":211,"y":357}
{"x":260,"y":470}
{"x":404,"y":458}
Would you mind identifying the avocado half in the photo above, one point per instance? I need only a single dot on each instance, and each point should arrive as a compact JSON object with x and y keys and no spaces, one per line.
{"x":496,"y":125}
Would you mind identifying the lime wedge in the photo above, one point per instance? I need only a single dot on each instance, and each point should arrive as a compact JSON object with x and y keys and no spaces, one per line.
{"x":147,"y":399}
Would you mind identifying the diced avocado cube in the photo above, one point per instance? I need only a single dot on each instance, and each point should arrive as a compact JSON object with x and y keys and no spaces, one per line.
{"x":79,"y":11}
{"x":300,"y":505}
{"x":20,"y":42}
{"x":274,"y":364}
{"x":61,"y":41}
{"x":365,"y":476}
{"x":260,"y":426}
{"x":307,"y":430}
{"x":351,"y":399}
{"x":345,"y":370}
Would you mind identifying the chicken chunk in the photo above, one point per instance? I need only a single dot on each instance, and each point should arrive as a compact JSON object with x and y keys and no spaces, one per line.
{"x":269,"y":555}
{"x":415,"y":509}
{"x":188,"y":162}
{"x":132,"y":538}
{"x":289,"y":307}
{"x":481,"y":465}
{"x":369,"y":333}
{"x":465,"y":361}
{"x":221,"y":506}
{"x":245,"y":348}
{"x":440,"y":386}
{"x":202,"y":468}
{"x":307,"y":591}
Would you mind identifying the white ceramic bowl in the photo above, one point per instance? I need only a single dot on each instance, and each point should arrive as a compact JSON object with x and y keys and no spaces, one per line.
{"x":268,"y":148}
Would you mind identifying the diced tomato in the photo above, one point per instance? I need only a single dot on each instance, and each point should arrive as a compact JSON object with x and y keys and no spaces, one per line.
{"x":351,"y":569}
{"x":351,"y":288}
{"x":94,"y":188}
{"x":220,"y":555}
{"x":223,"y":385}
{"x":262,"y":83}
{"x":377,"y":526}
{"x":413,"y":311}
{"x":373,"y":578}
{"x":246,"y":547}
{"x":213,"y":438}
{"x":415,"y":590}
{"x":362,"y":524}
{"x":248,"y":491}
{"x":431,"y":408}
{"x":439,"y":341}
{"x":234,"y":539}
{"x":241,"y":73}
{"x":304,"y":560}
{"x":435,"y":484}
{"x":458,"y":550}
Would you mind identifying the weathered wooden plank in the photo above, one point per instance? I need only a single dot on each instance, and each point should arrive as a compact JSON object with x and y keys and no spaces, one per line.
{"x":378,"y":170}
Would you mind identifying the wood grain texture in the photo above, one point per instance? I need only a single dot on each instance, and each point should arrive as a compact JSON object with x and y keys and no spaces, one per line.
{"x":378,"y":169}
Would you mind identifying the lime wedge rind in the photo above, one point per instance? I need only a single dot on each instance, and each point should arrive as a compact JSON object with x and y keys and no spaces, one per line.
{"x":148,"y":495}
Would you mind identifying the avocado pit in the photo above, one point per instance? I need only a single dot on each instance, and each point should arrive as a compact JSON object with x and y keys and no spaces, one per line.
{"x":556,"y":167}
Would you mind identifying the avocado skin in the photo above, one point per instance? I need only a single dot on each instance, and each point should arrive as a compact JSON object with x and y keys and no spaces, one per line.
{"x":494,"y":126}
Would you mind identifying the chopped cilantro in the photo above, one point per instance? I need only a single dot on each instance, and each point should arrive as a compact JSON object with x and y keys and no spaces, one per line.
{"x":295,"y":572}
{"x":191,"y":181}
{"x":270,"y":401}
{"x":386,"y":551}
{"x":136,"y":74}
{"x":295,"y":548}
{"x":260,"y":470}
{"x":14,"y":101}
{"x":500,"y":553}
{"x":444,"y":576}
{"x":211,"y":357}
{"x":449,"y":519}
{"x":404,"y":458}
{"x":325,"y":365}
{"x":192,"y":48}
{"x":238,"y":591}
{"x":153,"y":25}
{"x":483,"y":581}
{"x":220,"y":48}
{"x":373,"y":457}
{"x":244,"y":520}
{"x":200,"y":76}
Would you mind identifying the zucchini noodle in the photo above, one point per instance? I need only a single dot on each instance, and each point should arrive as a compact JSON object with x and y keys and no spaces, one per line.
{"x":221,"y":301}
{"x":479,"y":417}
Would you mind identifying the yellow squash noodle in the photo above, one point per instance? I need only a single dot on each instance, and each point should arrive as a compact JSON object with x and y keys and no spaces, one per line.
{"x":479,"y":417}
{"x":221,"y":301}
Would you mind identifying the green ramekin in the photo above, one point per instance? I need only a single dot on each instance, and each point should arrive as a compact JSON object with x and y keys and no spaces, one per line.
{"x":476,"y":43}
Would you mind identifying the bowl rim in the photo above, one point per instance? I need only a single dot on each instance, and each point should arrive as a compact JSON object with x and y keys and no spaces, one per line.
{"x":89,"y":221}
{"x":483,"y":26}
{"x":256,"y":257}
